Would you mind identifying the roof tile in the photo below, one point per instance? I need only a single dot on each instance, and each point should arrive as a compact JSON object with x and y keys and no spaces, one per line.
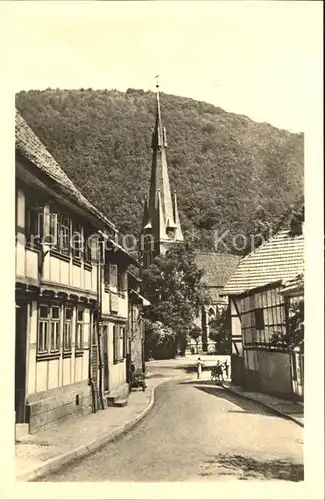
{"x":217,"y":267}
{"x":279,"y":259}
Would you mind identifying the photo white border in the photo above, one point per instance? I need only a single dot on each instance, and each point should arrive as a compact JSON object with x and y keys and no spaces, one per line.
{"x":313,"y":486}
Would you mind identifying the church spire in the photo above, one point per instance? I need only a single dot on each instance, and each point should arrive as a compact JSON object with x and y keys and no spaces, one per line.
{"x":179,"y":233}
{"x":160,"y":210}
{"x":159,"y":136}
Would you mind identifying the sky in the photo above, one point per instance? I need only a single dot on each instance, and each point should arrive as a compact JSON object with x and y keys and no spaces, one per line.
{"x":260,"y":59}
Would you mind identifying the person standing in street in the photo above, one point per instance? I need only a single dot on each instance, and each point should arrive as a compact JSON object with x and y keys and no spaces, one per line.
{"x":226,"y":366}
{"x":219,"y":372}
{"x":199,"y":367}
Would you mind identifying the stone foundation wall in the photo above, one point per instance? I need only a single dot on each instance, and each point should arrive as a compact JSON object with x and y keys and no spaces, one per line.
{"x":51,"y":407}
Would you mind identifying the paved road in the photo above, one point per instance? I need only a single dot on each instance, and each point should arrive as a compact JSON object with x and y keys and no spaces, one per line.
{"x":197,"y":432}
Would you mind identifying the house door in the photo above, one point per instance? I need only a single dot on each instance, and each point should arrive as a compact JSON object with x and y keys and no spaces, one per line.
{"x":105,"y":358}
{"x":20,"y":362}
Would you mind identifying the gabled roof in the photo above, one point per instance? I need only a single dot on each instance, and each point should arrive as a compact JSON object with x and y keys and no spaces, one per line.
{"x":281,"y":258}
{"x":31,"y":148}
{"x":217,"y":267}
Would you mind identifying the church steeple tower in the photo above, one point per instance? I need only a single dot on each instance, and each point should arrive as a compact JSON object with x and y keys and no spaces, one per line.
{"x":161,"y":223}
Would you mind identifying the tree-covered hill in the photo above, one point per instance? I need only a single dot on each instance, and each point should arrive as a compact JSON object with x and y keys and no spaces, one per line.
{"x":223,"y":165}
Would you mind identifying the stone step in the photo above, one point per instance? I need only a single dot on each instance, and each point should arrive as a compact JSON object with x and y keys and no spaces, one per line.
{"x":112,"y":399}
{"x":121,"y":402}
{"x":118,"y":396}
{"x":116,"y":400}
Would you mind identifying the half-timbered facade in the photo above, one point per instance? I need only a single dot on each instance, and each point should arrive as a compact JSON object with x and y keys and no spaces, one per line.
{"x":71,"y":293}
{"x":259,"y":314}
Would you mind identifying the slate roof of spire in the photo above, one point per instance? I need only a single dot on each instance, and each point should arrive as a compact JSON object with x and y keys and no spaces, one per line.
{"x":31,"y":148}
{"x":281,"y":258}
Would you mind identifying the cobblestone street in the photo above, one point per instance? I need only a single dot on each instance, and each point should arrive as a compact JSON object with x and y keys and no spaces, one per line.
{"x":196,"y":432}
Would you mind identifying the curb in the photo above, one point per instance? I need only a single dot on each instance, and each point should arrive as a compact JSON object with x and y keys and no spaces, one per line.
{"x":266,"y":405}
{"x":57,"y":462}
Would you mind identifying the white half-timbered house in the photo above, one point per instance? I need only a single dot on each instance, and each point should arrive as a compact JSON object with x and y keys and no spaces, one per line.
{"x":71,"y":294}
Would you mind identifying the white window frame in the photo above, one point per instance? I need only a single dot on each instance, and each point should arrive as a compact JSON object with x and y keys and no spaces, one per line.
{"x":53,"y":229}
{"x":48,"y":340}
{"x":67,"y":331}
{"x":80,"y":330}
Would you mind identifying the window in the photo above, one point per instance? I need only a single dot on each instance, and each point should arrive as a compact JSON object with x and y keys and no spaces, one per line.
{"x":113,"y":275}
{"x":67,"y":337}
{"x":106,"y":275}
{"x":93,"y":248}
{"x":122,"y":280}
{"x":259,"y":319}
{"x":119,"y":343}
{"x":55,"y":329}
{"x":79,"y":330}
{"x":42,"y":345}
{"x":54,"y":230}
{"x":87,"y":245}
{"x":48,"y":330}
{"x":60,"y":232}
{"x":64,"y":243}
{"x":77,"y":243}
{"x":34,"y":224}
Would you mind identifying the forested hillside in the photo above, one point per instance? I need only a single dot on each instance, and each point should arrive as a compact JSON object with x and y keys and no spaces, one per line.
{"x":223,"y":165}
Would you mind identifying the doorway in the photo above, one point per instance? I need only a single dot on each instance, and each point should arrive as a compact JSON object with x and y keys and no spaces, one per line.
{"x":20,"y":362}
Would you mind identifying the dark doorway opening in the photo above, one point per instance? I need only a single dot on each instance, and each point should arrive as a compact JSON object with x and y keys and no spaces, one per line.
{"x":105,"y":358}
{"x":20,"y":362}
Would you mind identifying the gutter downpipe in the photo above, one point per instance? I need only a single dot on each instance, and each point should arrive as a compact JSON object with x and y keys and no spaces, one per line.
{"x":99,"y":320}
